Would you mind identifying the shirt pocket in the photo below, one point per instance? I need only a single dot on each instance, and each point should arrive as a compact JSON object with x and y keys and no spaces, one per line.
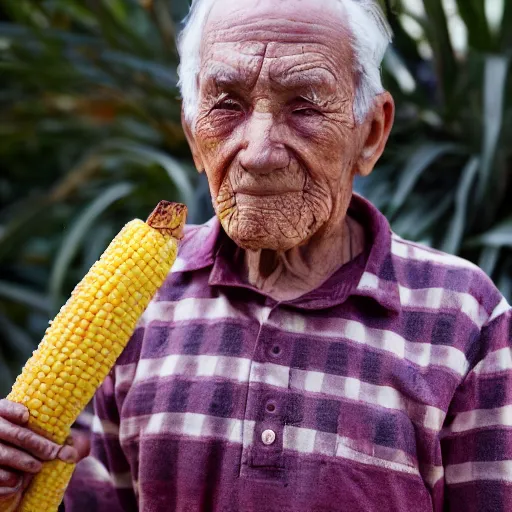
{"x":378,"y":437}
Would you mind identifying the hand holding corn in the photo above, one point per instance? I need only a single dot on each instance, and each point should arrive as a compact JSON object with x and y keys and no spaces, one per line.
{"x":21,"y":456}
{"x":77,"y":352}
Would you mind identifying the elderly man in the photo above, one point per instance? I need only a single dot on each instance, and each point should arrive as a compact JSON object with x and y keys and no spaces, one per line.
{"x":300,"y":356}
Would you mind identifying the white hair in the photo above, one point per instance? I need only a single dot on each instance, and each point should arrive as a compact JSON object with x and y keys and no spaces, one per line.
{"x":371,"y":35}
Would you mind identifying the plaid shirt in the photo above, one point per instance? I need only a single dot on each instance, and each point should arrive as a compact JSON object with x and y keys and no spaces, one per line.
{"x":388,"y":388}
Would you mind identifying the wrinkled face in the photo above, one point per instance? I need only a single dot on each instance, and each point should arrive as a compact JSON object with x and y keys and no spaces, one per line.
{"x":275,"y":130}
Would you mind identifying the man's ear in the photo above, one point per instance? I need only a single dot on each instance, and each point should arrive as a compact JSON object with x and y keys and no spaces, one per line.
{"x":376,"y":131}
{"x":198,"y":161}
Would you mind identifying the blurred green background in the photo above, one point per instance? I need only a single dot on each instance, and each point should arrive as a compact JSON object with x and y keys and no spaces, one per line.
{"x":90,"y":138}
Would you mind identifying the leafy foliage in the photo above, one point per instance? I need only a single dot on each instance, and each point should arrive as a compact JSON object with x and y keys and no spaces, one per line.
{"x":446,"y":177}
{"x":90,"y":137}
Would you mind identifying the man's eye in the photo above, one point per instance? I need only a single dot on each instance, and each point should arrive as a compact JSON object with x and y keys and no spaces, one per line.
{"x":306,"y":112}
{"x":228,"y":104}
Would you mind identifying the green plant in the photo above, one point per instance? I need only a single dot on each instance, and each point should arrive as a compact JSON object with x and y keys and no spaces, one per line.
{"x":90,"y":137}
{"x":446,"y":176}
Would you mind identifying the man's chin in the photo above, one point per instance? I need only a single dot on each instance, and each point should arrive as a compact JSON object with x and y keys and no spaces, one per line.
{"x":256,"y":234}
{"x":262,"y":245}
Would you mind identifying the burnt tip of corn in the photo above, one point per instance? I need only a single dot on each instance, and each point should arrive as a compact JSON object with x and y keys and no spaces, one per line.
{"x":169,"y":218}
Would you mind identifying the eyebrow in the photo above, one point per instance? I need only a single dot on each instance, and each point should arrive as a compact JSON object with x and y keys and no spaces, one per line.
{"x":317,"y":85}
{"x":317,"y":79}
{"x":225,"y":77}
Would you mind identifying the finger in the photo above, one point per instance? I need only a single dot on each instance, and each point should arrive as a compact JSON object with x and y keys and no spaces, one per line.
{"x":7,"y":493}
{"x":76,"y":448}
{"x":13,"y":458}
{"x":14,"y":412}
{"x":82,"y":443}
{"x":10,"y":478}
{"x":23,"y":437}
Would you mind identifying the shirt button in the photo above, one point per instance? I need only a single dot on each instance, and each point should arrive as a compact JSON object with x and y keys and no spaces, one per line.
{"x":268,"y":437}
{"x":271,"y":407}
{"x":275,"y":351}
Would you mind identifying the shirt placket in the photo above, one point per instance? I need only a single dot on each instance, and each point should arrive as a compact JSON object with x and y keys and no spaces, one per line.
{"x":266,"y":404}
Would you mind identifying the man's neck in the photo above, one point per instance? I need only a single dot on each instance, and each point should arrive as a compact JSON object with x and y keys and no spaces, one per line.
{"x":288,"y":275}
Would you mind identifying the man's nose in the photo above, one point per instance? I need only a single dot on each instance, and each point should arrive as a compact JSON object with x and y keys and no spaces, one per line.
{"x":263,"y":152}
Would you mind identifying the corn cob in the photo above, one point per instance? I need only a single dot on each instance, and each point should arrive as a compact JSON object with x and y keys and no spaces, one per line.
{"x":87,"y":336}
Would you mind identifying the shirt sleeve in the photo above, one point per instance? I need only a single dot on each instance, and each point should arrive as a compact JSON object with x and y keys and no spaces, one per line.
{"x":102,"y":482}
{"x":476,"y":442}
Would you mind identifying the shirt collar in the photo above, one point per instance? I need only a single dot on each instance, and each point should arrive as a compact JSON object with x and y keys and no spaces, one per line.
{"x":371,"y":275}
{"x":198,"y":247}
{"x":379,"y":280}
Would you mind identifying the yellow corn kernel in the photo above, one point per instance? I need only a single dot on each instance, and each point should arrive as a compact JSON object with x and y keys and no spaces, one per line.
{"x":83,"y":341}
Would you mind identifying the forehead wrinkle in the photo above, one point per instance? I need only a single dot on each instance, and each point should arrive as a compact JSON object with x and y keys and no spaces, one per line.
{"x":242,"y":16}
{"x":248,"y":48}
{"x":288,"y":30}
{"x":280,"y":60}
{"x":289,"y":54}
{"x":310,"y":52}
{"x":280,"y":47}
{"x":230,"y":66}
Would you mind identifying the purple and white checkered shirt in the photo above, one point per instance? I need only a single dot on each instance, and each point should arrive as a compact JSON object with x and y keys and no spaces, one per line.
{"x":389,"y":388}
